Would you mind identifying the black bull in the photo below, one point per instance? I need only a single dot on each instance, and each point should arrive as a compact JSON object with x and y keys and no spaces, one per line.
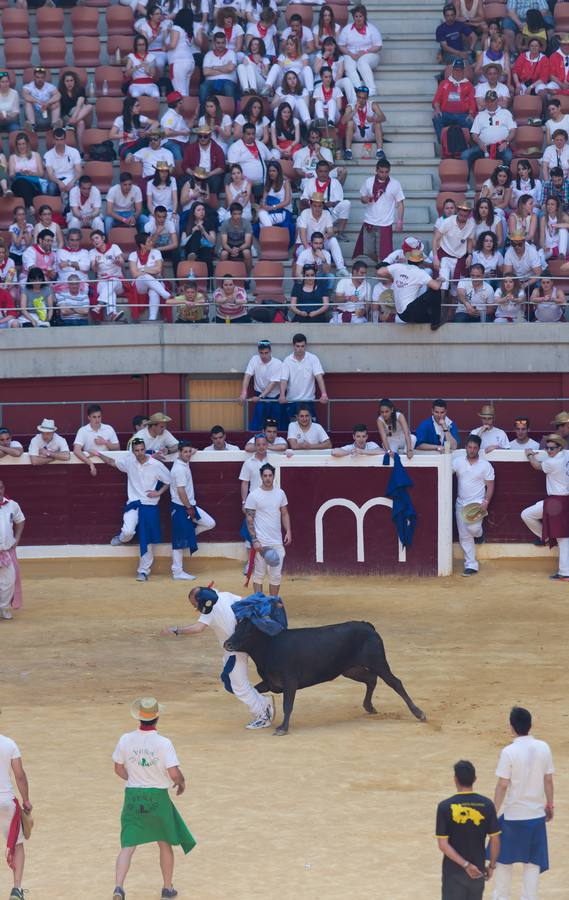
{"x":300,"y":657}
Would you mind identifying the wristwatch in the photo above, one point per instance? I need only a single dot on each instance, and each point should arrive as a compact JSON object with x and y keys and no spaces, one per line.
{"x":465,"y":865}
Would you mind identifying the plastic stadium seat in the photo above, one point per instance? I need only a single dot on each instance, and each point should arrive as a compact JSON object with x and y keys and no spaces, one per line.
{"x":526,"y":107}
{"x":150,"y":106}
{"x":100,"y":173}
{"x":107,"y":109}
{"x":7,"y":207}
{"x":120,"y":20}
{"x":54,"y":202}
{"x":561,"y":16}
{"x":114,"y":78}
{"x":124,"y":237}
{"x":189,"y":107}
{"x":227,"y":105}
{"x":269,"y":277}
{"x":98,"y":3}
{"x":453,"y":174}
{"x":199,"y":270}
{"x":534,"y":163}
{"x":80,"y":72}
{"x":301,"y":9}
{"x":235,"y":268}
{"x":18,"y":53}
{"x":4,"y":4}
{"x":94,"y":136}
{"x":133,"y":166}
{"x":482,"y":169}
{"x":32,"y":136}
{"x":528,"y":141}
{"x":274,"y":242}
{"x":87,"y":50}
{"x":288,"y":169}
{"x":49,"y":22}
{"x":70,"y":139}
{"x":84,"y":21}
{"x":121,"y":41}
{"x":444,"y":195}
{"x":86,"y":243}
{"x":554,"y":266}
{"x":15,"y":24}
{"x":340,"y":13}
{"x":53,"y":52}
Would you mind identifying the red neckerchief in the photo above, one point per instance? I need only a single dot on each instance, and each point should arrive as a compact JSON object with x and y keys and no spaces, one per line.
{"x":155,"y":29}
{"x":143,"y":257}
{"x":262,"y":29}
{"x":4,"y":501}
{"x":328,"y":31}
{"x":252,"y":58}
{"x":362,"y":115}
{"x":293,"y":57}
{"x":252,"y":148}
{"x":359,"y":30}
{"x":102,"y":251}
{"x":144,"y":727}
{"x":13,"y":834}
{"x":228,"y":33}
{"x":69,"y":250}
{"x":141,"y":56}
{"x":379,"y":187}
{"x":321,"y":186}
{"x":327,"y":93}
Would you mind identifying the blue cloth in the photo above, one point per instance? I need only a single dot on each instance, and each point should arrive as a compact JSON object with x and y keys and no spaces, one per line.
{"x":227,"y":670}
{"x":426,"y":433}
{"x":148,"y":528}
{"x":244,"y":532}
{"x":287,"y":222}
{"x":269,"y":409}
{"x":403,"y":513}
{"x":266,"y":613}
{"x":523,"y":841}
{"x":183,"y":529}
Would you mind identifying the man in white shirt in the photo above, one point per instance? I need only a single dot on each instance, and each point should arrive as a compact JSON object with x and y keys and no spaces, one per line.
{"x":384,"y":199}
{"x":360,"y":446}
{"x":493,"y":73}
{"x":522,"y":440}
{"x":300,"y":374}
{"x":304,"y":434}
{"x":332,"y":193}
{"x":152,"y":154}
{"x":72,"y":301}
{"x":147,"y":761}
{"x":63,"y":164}
{"x":556,"y":155}
{"x":252,"y":155}
{"x":144,"y":473}
{"x":107,"y":261}
{"x":218,"y":440}
{"x":275,"y":443}
{"x":522,"y":260}
{"x":491,"y":438}
{"x":12,"y":522}
{"x":188,"y":519}
{"x":353,"y":295}
{"x":47,"y":446}
{"x":8,"y":446}
{"x":124,"y":204}
{"x":475,"y":484}
{"x":42,"y":102}
{"x":96,"y":434}
{"x":73,"y":259}
{"x":475,"y":297}
{"x":297,"y":30}
{"x":317,"y":219}
{"x":85,"y":202}
{"x":10,"y":812}
{"x":265,"y":370}
{"x":219,"y":71}
{"x":493,"y":126}
{"x":174,"y":126}
{"x":266,"y":513}
{"x":159,"y":442}
{"x":317,"y":256}
{"x":555,"y":467}
{"x":453,"y":243}
{"x":416,"y":295}
{"x":306,"y":159}
{"x":249,"y":475}
{"x":525,"y":786}
{"x":216,"y":612}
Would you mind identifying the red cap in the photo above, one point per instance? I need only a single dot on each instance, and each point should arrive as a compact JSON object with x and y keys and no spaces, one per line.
{"x":173,"y":97}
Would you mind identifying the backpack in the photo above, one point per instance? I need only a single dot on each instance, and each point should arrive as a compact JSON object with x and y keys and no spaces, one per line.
{"x":103,"y":152}
{"x":453,"y":142}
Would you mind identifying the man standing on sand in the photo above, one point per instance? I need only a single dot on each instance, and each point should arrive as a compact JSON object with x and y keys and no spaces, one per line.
{"x":475,"y":484}
{"x":12,"y":522}
{"x":525,"y":787}
{"x":266,"y":513}
{"x":556,"y":484}
{"x":216,"y":612}
{"x":464,"y":821}
{"x":148,"y":763}
{"x":10,"y":811}
{"x":188,"y":519}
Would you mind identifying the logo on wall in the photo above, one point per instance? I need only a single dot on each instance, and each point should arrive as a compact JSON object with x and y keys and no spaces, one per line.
{"x":360,"y":514}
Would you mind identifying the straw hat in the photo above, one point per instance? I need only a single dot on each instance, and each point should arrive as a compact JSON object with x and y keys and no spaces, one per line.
{"x":146,"y":709}
{"x":563,"y":37}
{"x":386,"y":298}
{"x":47,"y":425}
{"x":561,"y":418}
{"x":201,"y":174}
{"x":158,"y":417}
{"x":464,"y":204}
{"x":317,"y":198}
{"x":203,"y":129}
{"x":517,"y":237}
{"x":162,"y":165}
{"x":556,"y":439}
{"x":487,"y":410}
{"x":473,"y":512}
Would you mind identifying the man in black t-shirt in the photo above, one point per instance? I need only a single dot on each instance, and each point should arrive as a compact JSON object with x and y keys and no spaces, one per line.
{"x":464,"y":821}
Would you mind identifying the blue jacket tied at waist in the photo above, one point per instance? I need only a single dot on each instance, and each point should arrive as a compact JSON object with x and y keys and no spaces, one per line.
{"x":148,"y":528}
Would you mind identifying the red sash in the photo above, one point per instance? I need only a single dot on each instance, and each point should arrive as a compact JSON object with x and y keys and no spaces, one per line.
{"x":362,"y":116}
{"x":13,"y":834}
{"x":327,"y":93}
{"x":253,"y":149}
{"x":379,"y":187}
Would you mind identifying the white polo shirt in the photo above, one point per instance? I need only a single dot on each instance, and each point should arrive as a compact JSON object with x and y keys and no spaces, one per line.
{"x":125,"y":202}
{"x":347,"y":288}
{"x":557,"y":479}
{"x":212,"y":61}
{"x":351,"y":39}
{"x":267,"y":506}
{"x":63,"y":164}
{"x":315,"y":434}
{"x":525,"y":762}
{"x":158,"y":443}
{"x":492,"y":128}
{"x":264,"y":373}
{"x":146,"y":756}
{"x":471,"y":478}
{"x":408,"y":283}
{"x":530,"y":444}
{"x":300,"y":375}
{"x":492,"y":437}
{"x":10,"y":515}
{"x":142,"y":477}
{"x":454,"y":238}
{"x":250,"y":471}
{"x":8,"y":752}
{"x":381,"y":212}
{"x":57,"y":444}
{"x":181,"y":477}
{"x":86,"y":435}
{"x":227,"y":449}
{"x":221,"y":619}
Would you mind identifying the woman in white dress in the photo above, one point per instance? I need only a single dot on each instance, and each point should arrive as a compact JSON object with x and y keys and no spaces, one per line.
{"x":394,"y":434}
{"x":553,"y":230}
{"x":141,"y":70}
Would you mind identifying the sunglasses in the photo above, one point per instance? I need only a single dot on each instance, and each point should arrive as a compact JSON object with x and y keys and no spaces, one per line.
{"x":552,"y":447}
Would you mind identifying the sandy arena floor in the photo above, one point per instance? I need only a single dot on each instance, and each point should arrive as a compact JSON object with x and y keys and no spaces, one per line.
{"x":343,"y":807}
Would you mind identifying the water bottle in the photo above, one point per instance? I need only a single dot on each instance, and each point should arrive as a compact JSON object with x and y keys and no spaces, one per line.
{"x":191,"y":273}
{"x":118,"y":57}
{"x":91,"y":88}
{"x":105,"y":88}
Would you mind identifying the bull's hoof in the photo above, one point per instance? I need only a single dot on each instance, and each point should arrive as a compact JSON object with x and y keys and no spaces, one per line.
{"x":371,"y":710}
{"x":280,"y":731}
{"x":421,"y":715}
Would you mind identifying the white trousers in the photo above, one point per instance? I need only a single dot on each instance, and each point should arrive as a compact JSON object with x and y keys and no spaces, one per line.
{"x":341,"y":210}
{"x":397,"y":442}
{"x":144,"y":90}
{"x":333,"y":246}
{"x":7,"y":585}
{"x":267,"y":219}
{"x":532,"y":517}
{"x":503,"y":882}
{"x":242,"y":687}
{"x":182,"y":71}
{"x":107,"y":293}
{"x":348,"y":89}
{"x":261,"y":569}
{"x":305,"y":76}
{"x":7,"y":809}
{"x":129,"y":523}
{"x":361,"y":70}
{"x":206,"y":523}
{"x":330,"y":112}
{"x":148,"y":284}
{"x":446,"y":272}
{"x":249,"y":77}
{"x":466,"y":535}
{"x":97,"y":223}
{"x":299,"y":106}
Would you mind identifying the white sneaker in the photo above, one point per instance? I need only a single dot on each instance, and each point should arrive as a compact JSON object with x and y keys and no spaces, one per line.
{"x":116,"y":540}
{"x":6,"y":614}
{"x":265,"y":719}
{"x":184,"y":576}
{"x":141,"y":576}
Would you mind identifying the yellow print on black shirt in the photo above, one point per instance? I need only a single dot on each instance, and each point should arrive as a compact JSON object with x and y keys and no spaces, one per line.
{"x":463,"y":814}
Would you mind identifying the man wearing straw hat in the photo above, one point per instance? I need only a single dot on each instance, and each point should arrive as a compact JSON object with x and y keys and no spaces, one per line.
{"x":561,"y":422}
{"x":492,"y":438}
{"x":47,"y":446}
{"x":559,"y":65}
{"x":157,"y":439}
{"x":522,"y":260}
{"x":11,"y":826}
{"x":453,"y":243}
{"x":493,"y":72}
{"x":148,"y":763}
{"x":475,"y":481}
{"x":550,"y":521}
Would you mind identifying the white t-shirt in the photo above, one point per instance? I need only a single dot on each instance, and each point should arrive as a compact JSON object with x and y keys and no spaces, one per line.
{"x":86,"y":435}
{"x":88,"y":206}
{"x":57,"y":444}
{"x":490,"y":263}
{"x":300,"y":375}
{"x":351,"y":39}
{"x":150,"y":157}
{"x":158,"y":443}
{"x":146,"y":756}
{"x":334,"y":192}
{"x":315,"y":434}
{"x":482,"y":88}
{"x":525,"y":762}
{"x":347,"y":288}
{"x":492,"y":437}
{"x":478,"y":297}
{"x":124,"y":203}
{"x":307,"y":256}
{"x":307,"y":221}
{"x":63,"y":164}
{"x":454,"y":237}
{"x":8,"y":752}
{"x":522,"y":265}
{"x":250,"y":471}
{"x":228,"y":448}
{"x":142,"y":477}
{"x":408,"y":283}
{"x":555,"y":157}
{"x":154,"y":256}
{"x":181,"y":477}
{"x":502,"y":124}
{"x":557,"y":478}
{"x":211,"y":61}
{"x":530,"y":444}
{"x":267,"y":506}
{"x":382,"y":211}
{"x":562,"y":125}
{"x":108,"y":263}
{"x":172,"y":119}
{"x":264,"y":373}
{"x":76,"y":256}
{"x":307,"y":160}
{"x":471,"y":478}
{"x":222,"y":619}
{"x":305,"y":39}
{"x":370,"y":445}
{"x":10,"y":515}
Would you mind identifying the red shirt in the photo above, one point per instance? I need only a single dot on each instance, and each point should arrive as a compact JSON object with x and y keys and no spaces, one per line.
{"x":531,"y":69}
{"x":455,"y":97}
